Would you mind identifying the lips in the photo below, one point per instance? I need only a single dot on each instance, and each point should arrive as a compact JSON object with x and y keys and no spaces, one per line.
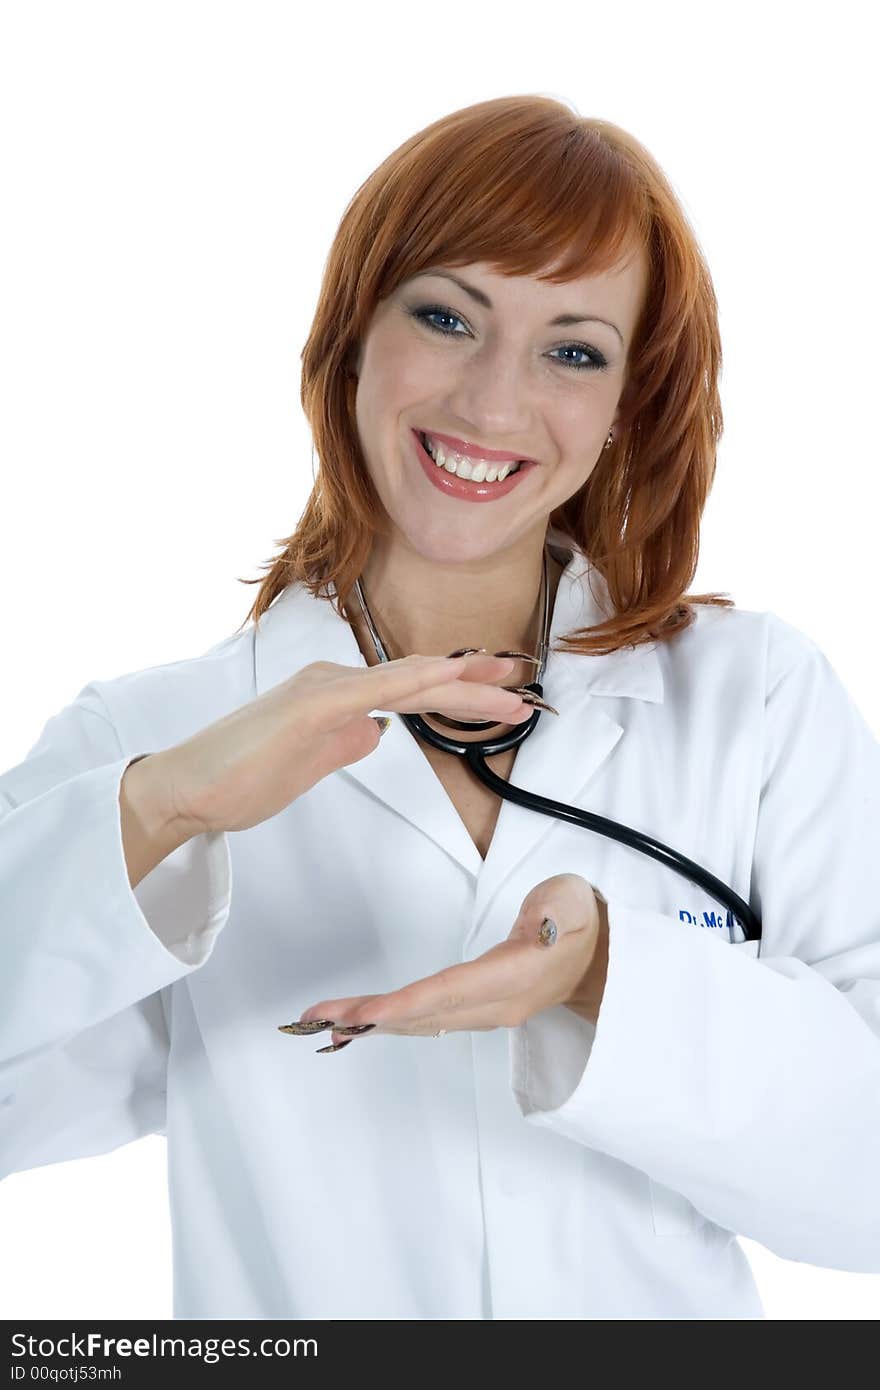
{"x":462,"y":446}
{"x":430,"y":444}
{"x":464,"y":489}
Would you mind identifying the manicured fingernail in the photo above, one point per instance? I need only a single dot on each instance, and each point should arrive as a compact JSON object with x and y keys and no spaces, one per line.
{"x":317,"y":1025}
{"x":383,"y":721}
{"x":334,"y":1047}
{"x":530,"y":698}
{"x":354,"y":1028}
{"x":547,"y":932}
{"x":523,"y":656}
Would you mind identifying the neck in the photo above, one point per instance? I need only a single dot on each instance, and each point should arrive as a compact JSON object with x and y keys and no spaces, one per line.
{"x":420,"y":605}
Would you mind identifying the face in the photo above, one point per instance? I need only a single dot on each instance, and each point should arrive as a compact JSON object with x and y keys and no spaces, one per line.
{"x":486,"y":366}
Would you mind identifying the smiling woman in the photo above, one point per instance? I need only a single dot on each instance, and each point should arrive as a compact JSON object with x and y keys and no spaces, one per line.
{"x":560,"y":1097}
{"x":454,"y":268}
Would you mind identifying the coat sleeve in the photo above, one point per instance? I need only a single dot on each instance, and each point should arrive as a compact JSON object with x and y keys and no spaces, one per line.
{"x":84,"y":959}
{"x":746,"y":1079}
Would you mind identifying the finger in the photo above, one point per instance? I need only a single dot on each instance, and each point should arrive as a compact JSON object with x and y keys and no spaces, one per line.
{"x":403,"y":1011}
{"x":525,"y":978}
{"x":485,"y":989}
{"x":338,"y":1009}
{"x":531,"y":996}
{"x":457,"y":697}
{"x":482,"y":1019}
{"x":319,"y":1018}
{"x":495,"y":978}
{"x":402,"y":684}
{"x":467,"y":699}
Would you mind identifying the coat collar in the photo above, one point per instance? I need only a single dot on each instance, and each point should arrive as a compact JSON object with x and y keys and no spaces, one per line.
{"x":558,"y":760}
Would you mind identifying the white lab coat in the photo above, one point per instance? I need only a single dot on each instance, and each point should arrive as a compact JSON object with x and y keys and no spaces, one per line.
{"x":552,"y":1170}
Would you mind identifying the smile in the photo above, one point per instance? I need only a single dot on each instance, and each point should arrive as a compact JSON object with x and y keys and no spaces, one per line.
{"x":473,"y":480}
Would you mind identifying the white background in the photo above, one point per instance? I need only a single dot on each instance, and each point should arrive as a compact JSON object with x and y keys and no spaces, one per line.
{"x":173,"y":175}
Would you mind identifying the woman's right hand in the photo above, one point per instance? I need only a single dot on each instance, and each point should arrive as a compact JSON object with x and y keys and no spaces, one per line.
{"x":249,"y":765}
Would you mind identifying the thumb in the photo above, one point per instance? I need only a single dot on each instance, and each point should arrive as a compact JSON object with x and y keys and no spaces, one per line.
{"x":561,"y":904}
{"x":536,"y":924}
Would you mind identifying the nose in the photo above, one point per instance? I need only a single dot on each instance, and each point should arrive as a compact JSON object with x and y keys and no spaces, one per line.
{"x":492,"y":396}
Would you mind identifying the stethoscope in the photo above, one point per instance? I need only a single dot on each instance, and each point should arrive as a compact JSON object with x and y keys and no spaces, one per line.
{"x":475,"y":754}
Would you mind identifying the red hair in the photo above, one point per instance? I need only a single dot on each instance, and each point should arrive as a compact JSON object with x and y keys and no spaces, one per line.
{"x":521,"y":183}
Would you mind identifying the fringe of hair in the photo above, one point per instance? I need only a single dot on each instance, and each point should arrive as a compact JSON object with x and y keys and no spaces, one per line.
{"x":521,"y":182}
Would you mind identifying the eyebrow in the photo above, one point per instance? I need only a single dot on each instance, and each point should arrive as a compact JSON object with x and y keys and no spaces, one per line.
{"x":486,"y":302}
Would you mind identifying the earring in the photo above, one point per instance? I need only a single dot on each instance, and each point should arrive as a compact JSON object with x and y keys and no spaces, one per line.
{"x":609,"y":441}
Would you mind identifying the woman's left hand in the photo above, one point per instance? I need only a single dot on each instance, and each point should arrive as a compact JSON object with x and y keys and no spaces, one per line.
{"x":503,"y":987}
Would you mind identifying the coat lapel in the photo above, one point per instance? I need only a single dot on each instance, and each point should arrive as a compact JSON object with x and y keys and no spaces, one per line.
{"x":557,"y":760}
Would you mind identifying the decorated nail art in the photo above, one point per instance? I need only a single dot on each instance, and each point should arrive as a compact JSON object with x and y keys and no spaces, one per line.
{"x":523,"y":656}
{"x":547,"y":932}
{"x":304,"y":1030}
{"x":530,"y":698}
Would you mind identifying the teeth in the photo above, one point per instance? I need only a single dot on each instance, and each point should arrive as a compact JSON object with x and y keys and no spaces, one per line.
{"x":477,"y":470}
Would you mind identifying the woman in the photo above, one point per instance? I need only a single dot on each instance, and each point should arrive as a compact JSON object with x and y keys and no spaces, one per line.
{"x":619,"y":1084}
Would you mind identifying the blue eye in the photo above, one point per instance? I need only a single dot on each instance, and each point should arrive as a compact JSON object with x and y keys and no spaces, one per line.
{"x":596,"y":361}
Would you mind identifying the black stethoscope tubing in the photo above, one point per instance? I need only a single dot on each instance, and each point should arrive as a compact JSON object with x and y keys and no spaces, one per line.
{"x":475,"y":755}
